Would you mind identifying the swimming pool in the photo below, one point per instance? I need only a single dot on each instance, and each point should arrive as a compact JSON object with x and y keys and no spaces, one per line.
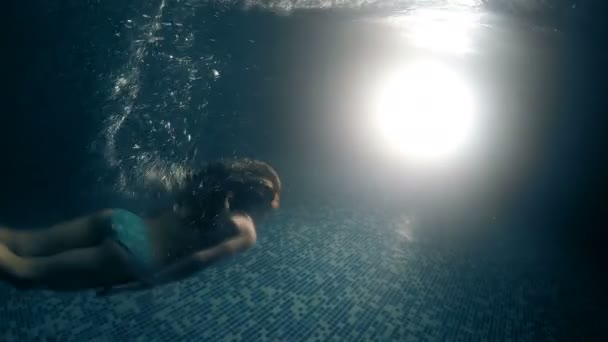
{"x":368,"y":244}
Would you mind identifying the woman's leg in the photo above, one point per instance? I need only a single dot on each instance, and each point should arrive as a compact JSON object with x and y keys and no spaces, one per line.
{"x":79,"y":233}
{"x":84,"y":268}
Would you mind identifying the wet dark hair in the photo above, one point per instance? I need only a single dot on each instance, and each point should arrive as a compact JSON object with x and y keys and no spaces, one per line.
{"x":252,"y":182}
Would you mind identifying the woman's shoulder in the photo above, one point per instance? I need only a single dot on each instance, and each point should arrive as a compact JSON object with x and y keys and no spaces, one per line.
{"x":242,"y":222}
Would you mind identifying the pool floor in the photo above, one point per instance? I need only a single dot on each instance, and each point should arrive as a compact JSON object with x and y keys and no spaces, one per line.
{"x":326,"y":274}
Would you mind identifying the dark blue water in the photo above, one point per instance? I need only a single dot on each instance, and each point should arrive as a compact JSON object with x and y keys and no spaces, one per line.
{"x":512,"y":251}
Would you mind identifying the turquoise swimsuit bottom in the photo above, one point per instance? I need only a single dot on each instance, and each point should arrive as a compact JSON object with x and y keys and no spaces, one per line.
{"x":130,"y":231}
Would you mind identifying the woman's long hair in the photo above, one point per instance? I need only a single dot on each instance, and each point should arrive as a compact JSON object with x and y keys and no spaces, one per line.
{"x":204,"y":193}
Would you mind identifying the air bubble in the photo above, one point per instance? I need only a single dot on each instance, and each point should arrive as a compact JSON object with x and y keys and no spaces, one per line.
{"x":215,"y":74}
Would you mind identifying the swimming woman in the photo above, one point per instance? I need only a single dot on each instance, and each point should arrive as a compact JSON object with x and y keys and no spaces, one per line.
{"x":213,"y":215}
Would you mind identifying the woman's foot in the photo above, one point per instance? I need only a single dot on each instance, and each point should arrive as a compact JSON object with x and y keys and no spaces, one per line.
{"x":5,"y":257}
{"x":3,"y":234}
{"x":5,"y":272}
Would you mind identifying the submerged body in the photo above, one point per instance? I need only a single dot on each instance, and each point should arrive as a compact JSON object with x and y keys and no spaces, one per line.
{"x":115,"y":246}
{"x":155,"y":243}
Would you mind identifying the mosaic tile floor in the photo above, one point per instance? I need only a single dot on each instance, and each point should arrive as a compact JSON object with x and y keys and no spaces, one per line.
{"x":333,"y":275}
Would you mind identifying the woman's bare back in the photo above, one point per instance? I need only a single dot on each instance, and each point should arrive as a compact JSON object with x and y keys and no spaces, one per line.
{"x":171,"y":240}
